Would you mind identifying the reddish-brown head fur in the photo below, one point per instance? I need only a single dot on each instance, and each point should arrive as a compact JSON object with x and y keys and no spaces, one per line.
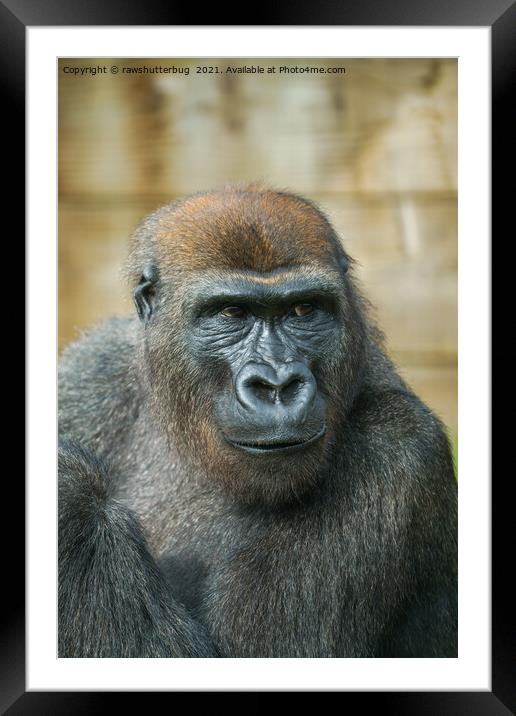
{"x":250,"y":228}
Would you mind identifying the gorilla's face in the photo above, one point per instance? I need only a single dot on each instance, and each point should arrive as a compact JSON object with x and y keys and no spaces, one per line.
{"x":271,"y":333}
{"x":251,"y":363}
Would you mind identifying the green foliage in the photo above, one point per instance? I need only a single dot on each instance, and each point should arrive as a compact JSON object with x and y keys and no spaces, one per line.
{"x":455,"y":452}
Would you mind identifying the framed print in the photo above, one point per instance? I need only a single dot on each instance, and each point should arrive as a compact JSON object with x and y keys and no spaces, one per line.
{"x":128,"y":113}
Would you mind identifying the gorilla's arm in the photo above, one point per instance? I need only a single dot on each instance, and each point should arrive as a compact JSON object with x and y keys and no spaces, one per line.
{"x":426,"y":621}
{"x":409,"y":453}
{"x":427,"y":627}
{"x":113,"y":600}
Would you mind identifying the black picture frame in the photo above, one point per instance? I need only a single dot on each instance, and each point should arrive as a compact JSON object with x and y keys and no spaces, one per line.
{"x":500,"y":16}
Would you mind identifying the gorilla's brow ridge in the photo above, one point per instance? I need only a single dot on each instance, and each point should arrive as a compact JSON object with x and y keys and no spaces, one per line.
{"x":287,"y":286}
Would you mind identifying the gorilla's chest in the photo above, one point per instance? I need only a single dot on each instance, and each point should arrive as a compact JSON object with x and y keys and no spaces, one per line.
{"x":275,"y":603}
{"x":275,"y":589}
{"x":300,"y":584}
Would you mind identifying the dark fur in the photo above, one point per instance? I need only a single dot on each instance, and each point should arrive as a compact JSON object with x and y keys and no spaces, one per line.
{"x":171,"y":543}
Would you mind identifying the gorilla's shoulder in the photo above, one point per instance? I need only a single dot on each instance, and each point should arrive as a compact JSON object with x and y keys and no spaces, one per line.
{"x":395,"y":413}
{"x":103,"y":351}
{"x":396,"y":428}
{"x":98,"y":384}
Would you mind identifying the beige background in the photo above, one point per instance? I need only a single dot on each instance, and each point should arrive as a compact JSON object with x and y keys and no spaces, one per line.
{"x":376,"y":147}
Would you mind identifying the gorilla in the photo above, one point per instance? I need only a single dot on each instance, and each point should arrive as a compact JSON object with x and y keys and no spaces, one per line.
{"x":242,"y":472}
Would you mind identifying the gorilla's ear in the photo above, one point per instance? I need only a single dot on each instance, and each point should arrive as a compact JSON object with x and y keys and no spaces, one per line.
{"x":343,"y":263}
{"x":145,"y":293}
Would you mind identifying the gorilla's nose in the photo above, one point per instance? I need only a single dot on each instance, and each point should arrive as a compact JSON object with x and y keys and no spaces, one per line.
{"x":290,"y":386}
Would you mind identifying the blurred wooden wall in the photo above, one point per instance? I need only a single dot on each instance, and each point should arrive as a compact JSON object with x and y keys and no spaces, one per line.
{"x":376,"y":147}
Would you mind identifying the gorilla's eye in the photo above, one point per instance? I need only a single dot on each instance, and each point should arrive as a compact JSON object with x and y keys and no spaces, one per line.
{"x":302,"y":309}
{"x":233,"y":312}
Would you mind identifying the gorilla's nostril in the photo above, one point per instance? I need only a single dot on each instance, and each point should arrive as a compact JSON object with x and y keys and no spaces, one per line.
{"x":289,"y":392}
{"x":270,"y":392}
{"x":263,"y":391}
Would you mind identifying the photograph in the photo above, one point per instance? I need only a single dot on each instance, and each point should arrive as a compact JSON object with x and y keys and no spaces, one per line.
{"x":258,"y":363}
{"x":258,"y":343}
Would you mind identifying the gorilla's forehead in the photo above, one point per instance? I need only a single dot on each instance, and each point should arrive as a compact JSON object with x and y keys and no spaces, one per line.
{"x":258,"y":230}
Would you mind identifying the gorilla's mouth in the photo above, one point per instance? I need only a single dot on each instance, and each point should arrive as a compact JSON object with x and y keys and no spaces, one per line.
{"x":267,"y":447}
